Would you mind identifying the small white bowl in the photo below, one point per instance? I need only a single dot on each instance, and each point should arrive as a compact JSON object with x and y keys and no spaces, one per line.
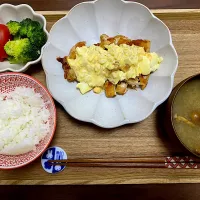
{"x":18,"y":13}
{"x":86,"y":22}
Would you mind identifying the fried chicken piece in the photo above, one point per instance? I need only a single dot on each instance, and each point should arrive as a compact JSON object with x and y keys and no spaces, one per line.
{"x":133,"y":82}
{"x":121,"y":36}
{"x":143,"y":81}
{"x":140,"y":81}
{"x":62,"y":60}
{"x":141,"y":43}
{"x":106,"y":40}
{"x":109,"y":89}
{"x":103,"y":37}
{"x":103,"y":41}
{"x":59,"y":59}
{"x":69,"y":73}
{"x":65,"y":64}
{"x":111,"y":40}
{"x":72,"y":53}
{"x":121,"y":88}
{"x":120,"y":39}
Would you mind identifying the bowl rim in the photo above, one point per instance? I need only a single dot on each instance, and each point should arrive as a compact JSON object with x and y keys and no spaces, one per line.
{"x":54,"y":117}
{"x":155,"y":104}
{"x":34,"y":13}
{"x":177,"y":89}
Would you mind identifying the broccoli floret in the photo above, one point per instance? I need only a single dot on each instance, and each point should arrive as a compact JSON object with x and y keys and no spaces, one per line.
{"x":28,"y":26}
{"x":38,"y":38}
{"x":33,"y":27}
{"x":13,"y":27}
{"x":21,"y":51}
{"x":24,"y":27}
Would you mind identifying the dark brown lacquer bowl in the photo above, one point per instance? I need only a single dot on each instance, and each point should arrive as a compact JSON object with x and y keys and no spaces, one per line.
{"x":169,"y":127}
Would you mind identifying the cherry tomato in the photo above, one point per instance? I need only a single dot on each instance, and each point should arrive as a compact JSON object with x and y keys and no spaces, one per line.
{"x":4,"y":37}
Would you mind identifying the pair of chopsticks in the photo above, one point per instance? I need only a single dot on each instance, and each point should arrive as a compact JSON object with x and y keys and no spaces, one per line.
{"x":142,"y":162}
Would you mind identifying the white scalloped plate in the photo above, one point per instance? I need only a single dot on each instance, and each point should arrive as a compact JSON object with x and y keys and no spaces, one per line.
{"x":86,"y":22}
{"x":18,"y":13}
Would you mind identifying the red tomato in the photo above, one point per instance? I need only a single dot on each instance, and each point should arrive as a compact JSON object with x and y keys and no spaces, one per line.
{"x":4,"y":37}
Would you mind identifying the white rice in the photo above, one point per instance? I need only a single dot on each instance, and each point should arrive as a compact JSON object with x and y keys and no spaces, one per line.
{"x":23,"y":121}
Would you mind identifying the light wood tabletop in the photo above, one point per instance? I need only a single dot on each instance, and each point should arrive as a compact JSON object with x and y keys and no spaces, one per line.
{"x":141,"y":138}
{"x":68,"y":4}
{"x":145,"y":139}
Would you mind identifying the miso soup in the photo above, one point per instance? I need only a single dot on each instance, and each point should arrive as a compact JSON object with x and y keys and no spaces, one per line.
{"x":186,"y":115}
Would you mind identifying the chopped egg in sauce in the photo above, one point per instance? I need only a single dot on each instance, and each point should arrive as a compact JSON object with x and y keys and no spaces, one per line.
{"x":94,"y":65}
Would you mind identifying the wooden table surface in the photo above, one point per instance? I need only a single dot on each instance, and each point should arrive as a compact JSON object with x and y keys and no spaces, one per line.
{"x":68,"y":4}
{"x":174,"y":191}
{"x":145,"y":139}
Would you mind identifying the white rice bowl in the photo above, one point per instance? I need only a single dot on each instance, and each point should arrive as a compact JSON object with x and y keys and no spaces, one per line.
{"x":23,"y":121}
{"x":32,"y":130}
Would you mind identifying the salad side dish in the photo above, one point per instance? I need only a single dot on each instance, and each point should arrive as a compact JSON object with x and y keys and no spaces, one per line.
{"x":21,"y":42}
{"x":113,"y":65}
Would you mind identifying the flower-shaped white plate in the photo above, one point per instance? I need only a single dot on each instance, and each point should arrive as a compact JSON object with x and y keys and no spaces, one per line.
{"x":18,"y":13}
{"x":86,"y":22}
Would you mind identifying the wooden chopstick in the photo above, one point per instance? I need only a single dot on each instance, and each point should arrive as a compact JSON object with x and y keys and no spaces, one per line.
{"x":127,"y":160}
{"x":114,"y":165}
{"x":137,"y":162}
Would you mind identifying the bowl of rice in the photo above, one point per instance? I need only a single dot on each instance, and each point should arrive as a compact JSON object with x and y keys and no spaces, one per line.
{"x":27,"y":119}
